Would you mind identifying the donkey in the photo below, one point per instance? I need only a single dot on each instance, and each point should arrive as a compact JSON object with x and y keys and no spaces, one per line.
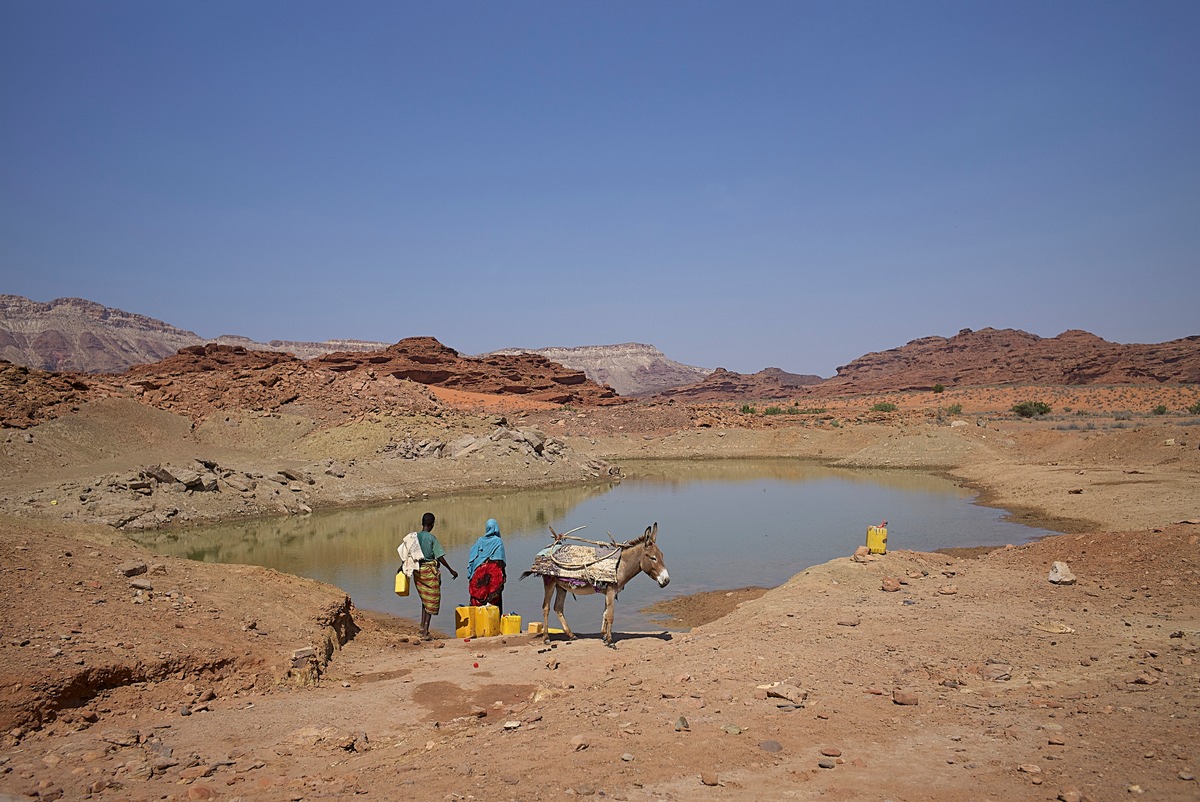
{"x":637,"y":556}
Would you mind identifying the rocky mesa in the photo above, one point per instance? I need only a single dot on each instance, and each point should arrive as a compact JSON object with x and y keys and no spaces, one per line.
{"x":1011,"y":356}
{"x":632,"y":369}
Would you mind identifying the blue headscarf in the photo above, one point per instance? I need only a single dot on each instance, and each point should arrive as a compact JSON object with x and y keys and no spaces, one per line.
{"x":488,"y":547}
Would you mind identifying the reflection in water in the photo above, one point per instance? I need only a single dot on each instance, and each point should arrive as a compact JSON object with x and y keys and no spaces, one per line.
{"x":358,"y":537}
{"x":722,"y":524}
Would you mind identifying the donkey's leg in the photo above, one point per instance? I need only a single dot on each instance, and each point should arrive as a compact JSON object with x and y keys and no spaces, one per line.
{"x":610,"y":602}
{"x":549,"y":583}
{"x":560,"y":598}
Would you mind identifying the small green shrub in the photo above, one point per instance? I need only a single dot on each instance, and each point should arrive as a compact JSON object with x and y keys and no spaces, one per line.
{"x":1123,"y":415}
{"x":810,"y":411}
{"x":1066,"y":409}
{"x":747,"y":409}
{"x":773,"y":411}
{"x":884,"y":406}
{"x":1028,"y":409}
{"x":939,"y":388}
{"x":1194,"y":408}
{"x":954,"y":409}
{"x":1161,"y":409}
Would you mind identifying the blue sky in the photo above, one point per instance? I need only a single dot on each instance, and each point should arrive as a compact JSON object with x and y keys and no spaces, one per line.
{"x":742,"y":184}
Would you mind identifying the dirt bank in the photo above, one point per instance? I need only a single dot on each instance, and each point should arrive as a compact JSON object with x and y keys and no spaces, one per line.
{"x":196,"y":681}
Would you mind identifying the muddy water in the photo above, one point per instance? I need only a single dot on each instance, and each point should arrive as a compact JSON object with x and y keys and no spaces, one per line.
{"x":723,"y":524}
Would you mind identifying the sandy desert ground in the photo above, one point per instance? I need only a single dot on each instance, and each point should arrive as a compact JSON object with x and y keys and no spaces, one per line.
{"x":128,"y":676}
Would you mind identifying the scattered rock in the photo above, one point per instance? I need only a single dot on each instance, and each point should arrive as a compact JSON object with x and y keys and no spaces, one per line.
{"x":131,"y":568}
{"x":788,"y":693}
{"x":709,"y":778}
{"x":890,"y":584}
{"x":997,"y":672}
{"x":1060,"y":574}
{"x":904,"y":697}
{"x":770,"y":746}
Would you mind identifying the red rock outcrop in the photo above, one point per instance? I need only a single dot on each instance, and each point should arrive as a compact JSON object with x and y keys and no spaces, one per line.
{"x":29,"y":396}
{"x":724,"y":385}
{"x":202,"y":380}
{"x":1010,"y":356}
{"x":632,"y":369}
{"x":426,"y":361}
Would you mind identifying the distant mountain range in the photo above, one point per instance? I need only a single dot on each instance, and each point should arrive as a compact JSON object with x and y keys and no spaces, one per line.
{"x":80,"y":336}
{"x":72,"y":335}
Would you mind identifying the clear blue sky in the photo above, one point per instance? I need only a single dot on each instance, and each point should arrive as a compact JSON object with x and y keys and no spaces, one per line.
{"x":742,"y":184}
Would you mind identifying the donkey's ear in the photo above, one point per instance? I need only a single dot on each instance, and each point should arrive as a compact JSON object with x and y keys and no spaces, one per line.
{"x":652,"y":532}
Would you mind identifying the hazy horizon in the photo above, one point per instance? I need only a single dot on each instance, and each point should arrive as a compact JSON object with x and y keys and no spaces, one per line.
{"x":752,"y":184}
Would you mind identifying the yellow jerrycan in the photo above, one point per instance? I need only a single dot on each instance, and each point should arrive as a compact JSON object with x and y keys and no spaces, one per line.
{"x":510,"y":624}
{"x":464,"y":622}
{"x":877,"y":539}
{"x":487,"y":621}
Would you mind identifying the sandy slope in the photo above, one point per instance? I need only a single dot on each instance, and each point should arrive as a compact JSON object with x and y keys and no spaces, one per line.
{"x":1009,"y":703}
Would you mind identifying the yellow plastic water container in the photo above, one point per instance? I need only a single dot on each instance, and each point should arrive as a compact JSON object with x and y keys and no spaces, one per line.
{"x":535,"y":627}
{"x":510,"y":624}
{"x":464,"y":622}
{"x":487,"y":621}
{"x":877,"y":539}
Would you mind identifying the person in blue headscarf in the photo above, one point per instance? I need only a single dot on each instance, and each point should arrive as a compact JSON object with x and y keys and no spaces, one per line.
{"x":486,"y":568}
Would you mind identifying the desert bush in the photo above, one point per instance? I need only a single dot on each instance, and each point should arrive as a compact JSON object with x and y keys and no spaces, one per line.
{"x":954,"y":409}
{"x":1123,"y":415}
{"x":1161,"y":409}
{"x":1028,"y":409}
{"x":884,"y":406}
{"x":811,"y":411}
{"x":747,"y":409}
{"x":773,"y":411}
{"x":939,"y":388}
{"x":1194,"y":408}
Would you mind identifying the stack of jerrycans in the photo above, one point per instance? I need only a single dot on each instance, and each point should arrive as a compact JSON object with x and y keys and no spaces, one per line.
{"x":480,"y":622}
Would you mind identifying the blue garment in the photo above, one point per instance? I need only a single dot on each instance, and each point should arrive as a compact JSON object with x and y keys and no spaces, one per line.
{"x":488,"y":547}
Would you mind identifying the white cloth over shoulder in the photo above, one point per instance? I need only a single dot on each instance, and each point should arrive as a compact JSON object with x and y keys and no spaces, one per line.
{"x":410,"y":553}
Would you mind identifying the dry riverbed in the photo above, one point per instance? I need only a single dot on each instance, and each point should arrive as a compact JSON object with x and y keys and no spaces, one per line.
{"x":128,"y":676}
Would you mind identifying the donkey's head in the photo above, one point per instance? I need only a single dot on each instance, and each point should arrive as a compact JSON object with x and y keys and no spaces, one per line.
{"x":652,"y":558}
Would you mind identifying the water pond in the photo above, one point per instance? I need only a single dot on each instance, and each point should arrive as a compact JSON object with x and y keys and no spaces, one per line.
{"x":722,"y":525}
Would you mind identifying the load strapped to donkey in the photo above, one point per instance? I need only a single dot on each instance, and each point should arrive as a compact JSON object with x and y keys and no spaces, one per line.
{"x":594,"y":567}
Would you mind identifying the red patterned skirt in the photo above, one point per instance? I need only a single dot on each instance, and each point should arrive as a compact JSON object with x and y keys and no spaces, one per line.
{"x":486,"y":584}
